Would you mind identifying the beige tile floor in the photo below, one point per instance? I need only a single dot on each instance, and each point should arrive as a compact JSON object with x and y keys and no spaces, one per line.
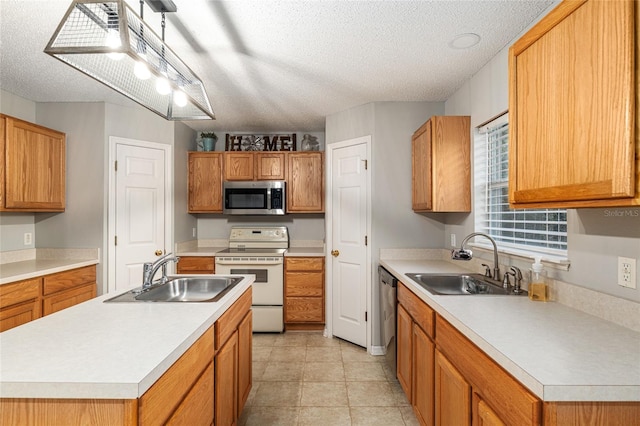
{"x":303,"y":378}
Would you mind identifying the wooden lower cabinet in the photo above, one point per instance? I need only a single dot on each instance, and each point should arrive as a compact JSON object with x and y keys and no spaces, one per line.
{"x":208,"y":385}
{"x":19,"y":303}
{"x":452,"y":394}
{"x":196,"y":265}
{"x":226,"y":386}
{"x":27,"y":300}
{"x":483,"y":415}
{"x":415,"y":354}
{"x":304,"y":293}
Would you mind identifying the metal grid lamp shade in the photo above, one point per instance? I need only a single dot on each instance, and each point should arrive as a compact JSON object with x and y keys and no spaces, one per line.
{"x":109,"y":42}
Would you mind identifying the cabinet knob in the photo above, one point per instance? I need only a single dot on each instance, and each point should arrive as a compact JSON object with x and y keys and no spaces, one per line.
{"x":159,"y":252}
{"x":335,"y":253}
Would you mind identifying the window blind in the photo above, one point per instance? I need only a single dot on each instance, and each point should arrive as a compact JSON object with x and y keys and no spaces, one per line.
{"x":524,"y":229}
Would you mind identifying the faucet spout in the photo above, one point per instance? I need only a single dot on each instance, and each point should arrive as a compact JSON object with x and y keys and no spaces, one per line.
{"x":149,"y":269}
{"x":464,"y":254}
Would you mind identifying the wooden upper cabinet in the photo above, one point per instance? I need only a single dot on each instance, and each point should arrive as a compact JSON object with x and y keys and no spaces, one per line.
{"x":573,"y":138}
{"x":239,"y":165}
{"x":305,"y":182}
{"x":205,"y":182}
{"x":254,"y":165}
{"x":33,"y":159}
{"x":270,"y":166}
{"x":441,"y":165}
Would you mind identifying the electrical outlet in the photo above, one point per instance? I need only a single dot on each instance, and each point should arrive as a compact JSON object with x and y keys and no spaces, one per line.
{"x":453,"y":240}
{"x":28,"y":238}
{"x":627,"y":272}
{"x":193,"y":231}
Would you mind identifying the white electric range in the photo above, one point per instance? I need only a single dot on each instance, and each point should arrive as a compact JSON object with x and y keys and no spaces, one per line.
{"x":259,"y":251}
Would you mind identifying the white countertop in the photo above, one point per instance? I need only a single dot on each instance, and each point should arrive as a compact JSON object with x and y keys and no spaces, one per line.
{"x":559,"y":353}
{"x":27,"y":269}
{"x":103,"y":350}
{"x":304,"y":252}
{"x":201,"y":251}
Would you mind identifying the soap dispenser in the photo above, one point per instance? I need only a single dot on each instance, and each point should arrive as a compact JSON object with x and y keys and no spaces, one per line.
{"x":538,"y":282}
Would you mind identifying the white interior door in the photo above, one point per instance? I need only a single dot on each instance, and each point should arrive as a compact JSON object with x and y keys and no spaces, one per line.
{"x":349,"y":222}
{"x":140,"y":210}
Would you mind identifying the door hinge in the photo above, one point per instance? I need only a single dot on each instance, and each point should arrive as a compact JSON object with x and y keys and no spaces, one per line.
{"x":366,"y":164}
{"x":115,"y":166}
{"x":366,"y":240}
{"x":366,"y":316}
{"x":115,"y":240}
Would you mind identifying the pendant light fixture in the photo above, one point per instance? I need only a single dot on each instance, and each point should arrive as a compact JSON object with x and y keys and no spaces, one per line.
{"x":107,"y":41}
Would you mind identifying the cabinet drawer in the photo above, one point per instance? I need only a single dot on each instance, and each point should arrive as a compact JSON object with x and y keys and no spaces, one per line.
{"x":229,"y":321}
{"x":196,"y":265}
{"x":19,"y":314}
{"x":21,"y":291}
{"x":66,"y":299}
{"x":162,"y":399}
{"x":421,"y":313}
{"x":304,"y":284}
{"x":304,"y":309}
{"x":511,"y":401}
{"x":69,"y":279}
{"x":304,"y":264}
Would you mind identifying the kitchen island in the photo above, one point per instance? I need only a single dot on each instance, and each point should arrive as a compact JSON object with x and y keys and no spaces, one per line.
{"x":98,"y":360}
{"x":565,"y":363}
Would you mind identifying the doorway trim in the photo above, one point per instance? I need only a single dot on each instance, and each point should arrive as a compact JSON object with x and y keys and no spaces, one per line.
{"x":114,"y":141}
{"x":329,"y":235}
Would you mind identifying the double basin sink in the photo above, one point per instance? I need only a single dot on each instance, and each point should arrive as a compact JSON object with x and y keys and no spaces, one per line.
{"x":459,"y":284}
{"x":182,"y":289}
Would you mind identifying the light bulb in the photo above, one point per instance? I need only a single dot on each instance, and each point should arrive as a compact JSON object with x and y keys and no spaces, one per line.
{"x":141,"y":70}
{"x":180,"y":98}
{"x":162,"y":86}
{"x":112,"y":40}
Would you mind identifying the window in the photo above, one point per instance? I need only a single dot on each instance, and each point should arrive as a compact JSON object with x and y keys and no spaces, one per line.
{"x":529,"y":230}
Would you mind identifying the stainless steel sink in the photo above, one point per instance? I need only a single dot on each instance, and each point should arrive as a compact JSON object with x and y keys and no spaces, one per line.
{"x":458,"y":284}
{"x":182,"y":289}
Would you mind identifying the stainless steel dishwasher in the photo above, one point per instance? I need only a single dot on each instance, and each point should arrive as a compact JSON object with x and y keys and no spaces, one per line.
{"x":388,"y":299}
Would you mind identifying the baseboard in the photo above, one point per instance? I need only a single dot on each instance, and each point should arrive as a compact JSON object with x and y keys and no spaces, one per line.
{"x":378,"y":350}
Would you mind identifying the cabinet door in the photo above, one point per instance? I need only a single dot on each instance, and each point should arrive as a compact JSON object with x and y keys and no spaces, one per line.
{"x":245,"y":338}
{"x":423,"y":375}
{"x":226,"y":383}
{"x":270,"y":166}
{"x":34,"y":176}
{"x":197,"y":407}
{"x":239,"y":165}
{"x":196,"y":265}
{"x":305,"y":182}
{"x":483,"y":415}
{"x":205,"y":182}
{"x":572,"y":138}
{"x":421,"y":168}
{"x":404,"y":359}
{"x":452,"y":394}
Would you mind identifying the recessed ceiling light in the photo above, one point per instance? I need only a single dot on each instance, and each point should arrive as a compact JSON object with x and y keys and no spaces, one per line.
{"x":464,"y":41}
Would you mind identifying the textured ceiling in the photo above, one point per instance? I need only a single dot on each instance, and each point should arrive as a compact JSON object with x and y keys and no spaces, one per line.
{"x":283,"y":65}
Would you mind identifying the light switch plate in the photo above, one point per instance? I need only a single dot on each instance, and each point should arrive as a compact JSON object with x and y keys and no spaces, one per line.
{"x":627,"y":272}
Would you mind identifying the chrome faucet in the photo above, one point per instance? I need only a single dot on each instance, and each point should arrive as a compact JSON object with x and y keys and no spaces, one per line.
{"x":149,"y":270}
{"x":517,"y":279}
{"x":464,"y":254}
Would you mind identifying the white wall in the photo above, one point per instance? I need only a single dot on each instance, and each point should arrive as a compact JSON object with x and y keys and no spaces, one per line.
{"x":596,"y":237}
{"x":183,"y":223}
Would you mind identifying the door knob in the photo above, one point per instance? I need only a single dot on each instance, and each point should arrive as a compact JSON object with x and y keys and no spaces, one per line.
{"x":335,"y":253}
{"x":158,"y":252}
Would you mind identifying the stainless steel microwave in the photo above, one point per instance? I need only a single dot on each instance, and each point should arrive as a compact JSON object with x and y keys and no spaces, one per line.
{"x":254,"y":197}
